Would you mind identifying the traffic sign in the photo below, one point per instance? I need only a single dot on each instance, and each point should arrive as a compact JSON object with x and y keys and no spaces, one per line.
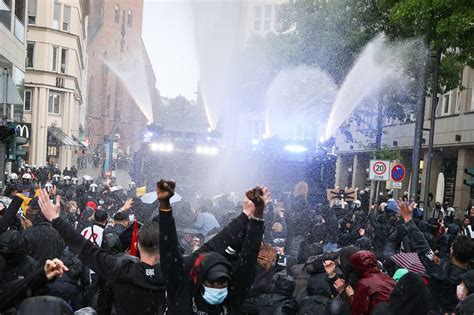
{"x":398,"y":173}
{"x":379,"y":170}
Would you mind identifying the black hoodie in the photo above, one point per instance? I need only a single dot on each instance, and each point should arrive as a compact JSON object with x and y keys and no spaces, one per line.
{"x":138,"y":287}
{"x":409,"y":296}
{"x":184,"y":275}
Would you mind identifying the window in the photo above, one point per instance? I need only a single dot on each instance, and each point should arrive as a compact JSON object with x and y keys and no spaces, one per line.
{"x":446,"y":104}
{"x":129,"y":18}
{"x":57,"y":15}
{"x":30,"y":52}
{"x":458,"y":101}
{"x":54,"y":102}
{"x":66,"y":18}
{"x":32,"y":11}
{"x":472,"y":99}
{"x":28,"y":98}
{"x":268,"y":18}
{"x":55,"y":59}
{"x":64,"y":52}
{"x":52,"y":151}
{"x":258,"y":18}
{"x":117,"y":14}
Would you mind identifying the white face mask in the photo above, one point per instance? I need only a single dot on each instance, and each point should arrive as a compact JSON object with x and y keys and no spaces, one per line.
{"x":461,"y":292}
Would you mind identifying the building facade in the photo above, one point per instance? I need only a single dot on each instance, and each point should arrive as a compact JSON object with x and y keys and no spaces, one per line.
{"x":55,"y":80}
{"x":12,"y":70}
{"x":121,"y":81}
{"x":453,"y":146}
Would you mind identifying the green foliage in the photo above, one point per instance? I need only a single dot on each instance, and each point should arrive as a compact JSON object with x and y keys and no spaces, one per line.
{"x":386,"y":153}
{"x":444,"y":24}
{"x":181,"y":114}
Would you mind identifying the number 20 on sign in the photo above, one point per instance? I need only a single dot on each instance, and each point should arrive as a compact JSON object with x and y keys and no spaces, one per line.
{"x":379,"y":170}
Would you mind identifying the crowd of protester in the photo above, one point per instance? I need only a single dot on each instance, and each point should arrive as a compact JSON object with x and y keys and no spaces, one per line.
{"x":96,"y":248}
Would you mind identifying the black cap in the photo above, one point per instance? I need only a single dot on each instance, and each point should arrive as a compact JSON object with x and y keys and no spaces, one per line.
{"x":218,"y":272}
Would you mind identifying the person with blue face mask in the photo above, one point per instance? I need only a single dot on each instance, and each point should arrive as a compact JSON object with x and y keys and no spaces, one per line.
{"x":205,"y":282}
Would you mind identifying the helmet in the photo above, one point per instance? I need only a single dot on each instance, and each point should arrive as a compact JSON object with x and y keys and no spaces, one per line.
{"x":67,"y":179}
{"x":13,"y":176}
{"x":34,"y":166}
{"x":93,"y":187}
{"x":26,"y":176}
{"x":357,"y":204}
{"x":132,"y":185}
{"x":87,"y":178}
{"x":74,"y":181}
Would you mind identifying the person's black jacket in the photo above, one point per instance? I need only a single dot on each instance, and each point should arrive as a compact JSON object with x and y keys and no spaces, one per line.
{"x":319,"y":299}
{"x":347,"y":236}
{"x":279,"y":301}
{"x":138,"y":287}
{"x":14,"y":292}
{"x":409,"y":296}
{"x":183,"y":294}
{"x":447,"y":239}
{"x":10,"y":214}
{"x":444,"y":277}
{"x":44,"y":242}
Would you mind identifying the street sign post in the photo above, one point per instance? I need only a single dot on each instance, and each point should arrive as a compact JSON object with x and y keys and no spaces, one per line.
{"x":379,"y":170}
{"x":397,"y":174}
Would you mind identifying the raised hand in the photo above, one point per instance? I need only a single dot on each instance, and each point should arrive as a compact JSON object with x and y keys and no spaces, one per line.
{"x":164,"y":192}
{"x":406,"y":210}
{"x":260,"y":197}
{"x":54,"y":268}
{"x":50,"y":211}
{"x":128,"y":204}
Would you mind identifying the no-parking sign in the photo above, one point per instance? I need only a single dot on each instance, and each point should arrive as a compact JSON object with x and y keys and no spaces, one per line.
{"x":379,"y":170}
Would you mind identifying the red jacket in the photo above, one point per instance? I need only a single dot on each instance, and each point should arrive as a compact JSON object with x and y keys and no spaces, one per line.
{"x":374,"y":287}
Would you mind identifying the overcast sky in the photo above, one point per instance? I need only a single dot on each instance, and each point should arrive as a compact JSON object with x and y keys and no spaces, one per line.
{"x":169,"y":39}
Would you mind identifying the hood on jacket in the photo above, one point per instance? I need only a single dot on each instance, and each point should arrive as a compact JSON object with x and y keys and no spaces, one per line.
{"x":13,"y":246}
{"x":453,"y":229}
{"x":318,"y":286}
{"x":203,"y":263}
{"x":349,"y":273}
{"x":410,"y":295}
{"x":363,"y":261}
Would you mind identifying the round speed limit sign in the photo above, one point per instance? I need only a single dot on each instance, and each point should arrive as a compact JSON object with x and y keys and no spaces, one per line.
{"x":379,"y":170}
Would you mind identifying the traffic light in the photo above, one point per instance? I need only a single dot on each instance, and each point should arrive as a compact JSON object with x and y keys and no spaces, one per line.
{"x":15,"y":149}
{"x":470,"y":171}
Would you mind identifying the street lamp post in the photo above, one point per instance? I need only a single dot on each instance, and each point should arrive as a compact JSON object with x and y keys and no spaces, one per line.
{"x":434,"y":104}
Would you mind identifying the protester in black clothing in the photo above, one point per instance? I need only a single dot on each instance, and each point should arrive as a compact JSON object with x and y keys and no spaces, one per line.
{"x":14,"y":249}
{"x":446,"y":274}
{"x":14,"y":292}
{"x":138,"y":285}
{"x":447,"y":239}
{"x":43,"y":240}
{"x":319,"y":299}
{"x":214,"y":287}
{"x":409,"y":296}
{"x":346,"y":234}
{"x":279,"y":301}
